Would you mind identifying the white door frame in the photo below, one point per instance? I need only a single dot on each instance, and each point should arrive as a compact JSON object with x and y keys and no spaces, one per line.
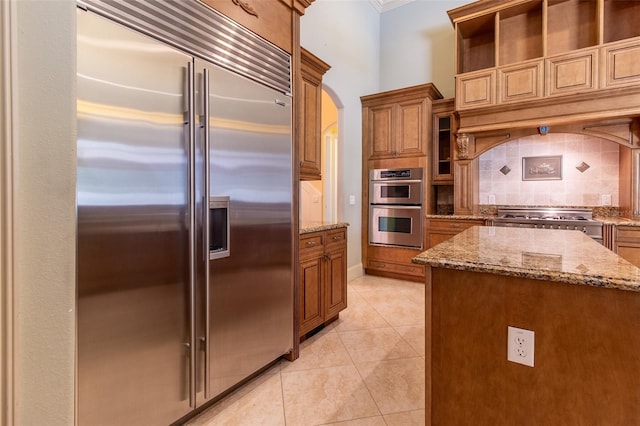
{"x":7,"y":136}
{"x":330,"y":174}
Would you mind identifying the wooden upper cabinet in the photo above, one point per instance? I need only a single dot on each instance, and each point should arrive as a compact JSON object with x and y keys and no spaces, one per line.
{"x":397,"y":123}
{"x":379,"y":131}
{"x":526,"y":50}
{"x":270,"y":19}
{"x":412,"y":138}
{"x":444,"y":124}
{"x":312,"y":69}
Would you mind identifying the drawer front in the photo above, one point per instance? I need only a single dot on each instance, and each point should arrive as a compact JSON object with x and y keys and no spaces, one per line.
{"x":311,"y":244}
{"x":453,"y":225}
{"x":628,"y":233}
{"x":336,"y":238}
{"x":385,"y":266}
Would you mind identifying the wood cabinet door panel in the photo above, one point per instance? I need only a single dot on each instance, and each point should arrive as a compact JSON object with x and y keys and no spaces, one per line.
{"x":465,"y":191}
{"x":522,"y":82}
{"x":336,"y":284}
{"x":310,"y":130}
{"x":380,"y":131}
{"x":411,"y":128}
{"x":310,"y":296}
{"x":621,"y":64}
{"x":475,"y":89}
{"x":443,"y":128}
{"x":271,"y":19}
{"x":571,"y":73}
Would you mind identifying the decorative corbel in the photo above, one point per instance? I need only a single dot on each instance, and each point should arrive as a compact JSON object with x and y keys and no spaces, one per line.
{"x":462,"y":140}
{"x":246,"y":7}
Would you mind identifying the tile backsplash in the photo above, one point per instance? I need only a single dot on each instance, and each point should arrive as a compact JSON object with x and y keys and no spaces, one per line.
{"x":594,"y":186}
{"x":311,"y":197}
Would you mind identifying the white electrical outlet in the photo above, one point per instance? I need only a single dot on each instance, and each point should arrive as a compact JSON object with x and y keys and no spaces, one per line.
{"x":492,"y":198}
{"x":352,"y":200}
{"x":606,"y":199}
{"x":520,"y":345}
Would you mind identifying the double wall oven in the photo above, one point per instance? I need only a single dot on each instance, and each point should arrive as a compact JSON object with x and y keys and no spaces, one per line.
{"x":395,"y":210}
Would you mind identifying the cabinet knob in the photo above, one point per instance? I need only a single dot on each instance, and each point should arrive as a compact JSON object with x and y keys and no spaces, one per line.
{"x":336,"y":238}
{"x":327,"y":256}
{"x":311,"y":243}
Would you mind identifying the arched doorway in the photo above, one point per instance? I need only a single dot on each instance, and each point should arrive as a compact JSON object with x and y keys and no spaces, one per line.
{"x":319,"y":199}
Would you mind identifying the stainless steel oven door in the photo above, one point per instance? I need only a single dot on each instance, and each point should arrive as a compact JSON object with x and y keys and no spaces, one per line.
{"x":395,"y":192}
{"x":395,"y":226}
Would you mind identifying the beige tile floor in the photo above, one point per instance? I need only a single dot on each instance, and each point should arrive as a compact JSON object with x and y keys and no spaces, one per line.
{"x":365,"y":369}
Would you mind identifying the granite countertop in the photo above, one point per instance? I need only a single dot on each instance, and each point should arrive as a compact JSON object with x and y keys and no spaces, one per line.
{"x":308,"y":227}
{"x":545,"y":254}
{"x":618,"y":221}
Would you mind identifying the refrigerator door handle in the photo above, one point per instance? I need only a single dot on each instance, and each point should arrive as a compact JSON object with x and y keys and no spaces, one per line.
{"x":206,"y":225}
{"x":192,"y":227}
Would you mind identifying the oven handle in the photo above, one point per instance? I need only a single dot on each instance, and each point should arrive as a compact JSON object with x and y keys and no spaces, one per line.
{"x":397,"y":181}
{"x":398,"y":206}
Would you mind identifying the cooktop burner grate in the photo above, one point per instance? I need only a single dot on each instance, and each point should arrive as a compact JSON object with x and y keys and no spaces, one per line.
{"x":580,"y":219}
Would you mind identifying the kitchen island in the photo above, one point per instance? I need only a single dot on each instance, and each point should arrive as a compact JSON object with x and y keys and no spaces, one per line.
{"x":582,"y":302}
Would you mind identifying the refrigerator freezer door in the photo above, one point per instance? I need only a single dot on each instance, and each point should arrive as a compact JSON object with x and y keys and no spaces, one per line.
{"x":251,"y":290}
{"x":133,"y":266}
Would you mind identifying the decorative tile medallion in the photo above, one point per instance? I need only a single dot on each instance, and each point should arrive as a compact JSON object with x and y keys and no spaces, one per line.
{"x":505,"y":170}
{"x":582,"y":167}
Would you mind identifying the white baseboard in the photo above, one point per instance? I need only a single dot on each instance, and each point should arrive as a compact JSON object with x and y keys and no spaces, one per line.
{"x":355,"y":272}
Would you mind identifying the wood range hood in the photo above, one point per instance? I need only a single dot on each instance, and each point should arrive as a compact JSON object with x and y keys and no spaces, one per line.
{"x":612,"y":116}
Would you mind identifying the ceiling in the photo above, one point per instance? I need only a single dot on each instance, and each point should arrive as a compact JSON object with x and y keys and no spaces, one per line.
{"x":384,"y":5}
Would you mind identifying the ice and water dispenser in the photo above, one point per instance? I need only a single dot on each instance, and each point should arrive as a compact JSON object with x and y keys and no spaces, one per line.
{"x":218,"y":227}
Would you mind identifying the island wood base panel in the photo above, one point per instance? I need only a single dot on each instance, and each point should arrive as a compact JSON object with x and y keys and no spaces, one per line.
{"x":587,"y":352}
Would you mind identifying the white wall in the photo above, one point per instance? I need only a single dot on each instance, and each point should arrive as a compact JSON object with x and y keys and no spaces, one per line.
{"x":417,"y":46}
{"x":346,"y":34}
{"x":311,"y":203}
{"x":575,"y":189}
{"x":44,"y":212}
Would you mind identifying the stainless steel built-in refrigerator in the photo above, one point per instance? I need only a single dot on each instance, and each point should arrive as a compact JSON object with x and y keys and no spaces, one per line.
{"x":184,"y":208}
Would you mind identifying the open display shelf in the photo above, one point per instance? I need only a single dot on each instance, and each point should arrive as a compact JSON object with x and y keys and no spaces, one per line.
{"x":514,"y":51}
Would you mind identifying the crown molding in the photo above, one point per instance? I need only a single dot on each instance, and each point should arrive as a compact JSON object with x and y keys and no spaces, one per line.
{"x":386,"y":5}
